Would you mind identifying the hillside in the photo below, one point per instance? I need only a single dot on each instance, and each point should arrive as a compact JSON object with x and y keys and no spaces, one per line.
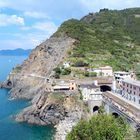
{"x":109,"y":37}
{"x":104,"y":38}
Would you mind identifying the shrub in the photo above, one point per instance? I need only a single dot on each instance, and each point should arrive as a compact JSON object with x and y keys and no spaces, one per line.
{"x":99,"y":127}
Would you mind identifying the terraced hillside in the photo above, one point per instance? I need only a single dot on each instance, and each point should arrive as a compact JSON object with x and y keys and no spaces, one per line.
{"x":109,"y":37}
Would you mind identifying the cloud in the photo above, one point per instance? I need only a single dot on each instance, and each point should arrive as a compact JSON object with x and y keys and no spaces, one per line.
{"x":43,"y":16}
{"x":64,"y":9}
{"x":34,"y":14}
{"x":95,"y":5}
{"x":47,"y":26}
{"x":23,"y":40}
{"x":58,"y":9}
{"x":10,"y":20}
{"x":15,"y":43}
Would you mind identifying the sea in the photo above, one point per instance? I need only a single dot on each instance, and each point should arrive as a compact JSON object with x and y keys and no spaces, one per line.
{"x":9,"y":128}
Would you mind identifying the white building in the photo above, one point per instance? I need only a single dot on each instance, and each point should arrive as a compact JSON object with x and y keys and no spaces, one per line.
{"x":131,"y":90}
{"x":102,"y":71}
{"x":90,"y":92}
{"x":121,"y":75}
{"x":66,"y":64}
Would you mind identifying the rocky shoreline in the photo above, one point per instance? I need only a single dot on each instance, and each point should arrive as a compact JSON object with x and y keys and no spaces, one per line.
{"x":61,"y":110}
{"x":58,"y":110}
{"x":65,"y":126}
{"x":6,"y":84}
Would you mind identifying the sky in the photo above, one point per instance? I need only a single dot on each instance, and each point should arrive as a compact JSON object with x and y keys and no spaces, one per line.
{"x":26,"y":23}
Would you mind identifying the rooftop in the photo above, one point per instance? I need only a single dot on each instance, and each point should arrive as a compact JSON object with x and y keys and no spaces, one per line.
{"x":132,"y":82}
{"x":106,"y":68}
{"x":121,"y":72}
{"x":89,"y":86}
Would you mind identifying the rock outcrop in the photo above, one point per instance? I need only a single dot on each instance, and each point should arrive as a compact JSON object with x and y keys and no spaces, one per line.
{"x":28,"y":81}
{"x":58,"y":109}
{"x":29,"y":78}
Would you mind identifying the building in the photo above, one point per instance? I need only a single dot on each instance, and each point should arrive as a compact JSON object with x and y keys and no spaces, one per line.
{"x":65,"y":86}
{"x":102,"y":71}
{"x":121,"y":75}
{"x":90,"y":92}
{"x":66,"y":64}
{"x":131,"y":90}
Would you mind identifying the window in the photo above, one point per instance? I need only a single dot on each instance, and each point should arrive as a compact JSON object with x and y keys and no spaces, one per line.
{"x":139,"y":101}
{"x":134,"y":92}
{"x":130,"y":86}
{"x":134,"y":99}
{"x":134,"y":88}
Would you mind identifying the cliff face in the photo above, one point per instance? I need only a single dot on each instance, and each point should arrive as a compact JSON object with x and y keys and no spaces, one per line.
{"x":28,"y":81}
{"x":50,"y":108}
{"x":29,"y":78}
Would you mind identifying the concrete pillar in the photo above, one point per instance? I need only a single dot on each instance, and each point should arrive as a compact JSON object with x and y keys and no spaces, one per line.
{"x":114,"y":85}
{"x":107,"y":108}
{"x":96,"y":83}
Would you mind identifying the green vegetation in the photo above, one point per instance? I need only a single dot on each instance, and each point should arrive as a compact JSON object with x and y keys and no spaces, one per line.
{"x":17,"y":69}
{"x":61,"y":71}
{"x":90,"y":74}
{"x":58,"y":97}
{"x":99,"y":127}
{"x":137,"y":137}
{"x":105,"y":38}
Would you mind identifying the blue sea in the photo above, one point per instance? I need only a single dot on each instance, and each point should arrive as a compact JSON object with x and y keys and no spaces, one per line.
{"x":9,"y":129}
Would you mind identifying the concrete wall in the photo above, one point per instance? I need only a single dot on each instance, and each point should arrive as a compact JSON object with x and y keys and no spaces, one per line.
{"x":92,"y":104}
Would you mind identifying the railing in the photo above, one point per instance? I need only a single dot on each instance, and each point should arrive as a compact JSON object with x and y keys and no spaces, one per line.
{"x":122,"y":111}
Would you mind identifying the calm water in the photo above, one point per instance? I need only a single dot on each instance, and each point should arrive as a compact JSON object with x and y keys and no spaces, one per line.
{"x":9,"y":129}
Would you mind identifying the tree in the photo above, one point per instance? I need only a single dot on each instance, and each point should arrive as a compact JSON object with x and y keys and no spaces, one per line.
{"x":101,"y":110}
{"x":99,"y":127}
{"x":57,"y":70}
{"x":66,"y":71}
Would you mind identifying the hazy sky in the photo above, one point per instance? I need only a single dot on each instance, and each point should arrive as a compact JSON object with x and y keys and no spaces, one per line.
{"x":26,"y":23}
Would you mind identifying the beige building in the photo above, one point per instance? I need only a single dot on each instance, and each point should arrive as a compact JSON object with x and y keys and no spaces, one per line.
{"x":65,"y":86}
{"x":102,"y":71}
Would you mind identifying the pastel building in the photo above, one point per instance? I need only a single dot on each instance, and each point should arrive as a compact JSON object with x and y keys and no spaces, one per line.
{"x":65,"y":85}
{"x":131,"y":90}
{"x":121,"y":75}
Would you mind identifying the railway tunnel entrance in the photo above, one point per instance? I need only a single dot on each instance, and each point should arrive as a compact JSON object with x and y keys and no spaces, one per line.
{"x":105,"y":88}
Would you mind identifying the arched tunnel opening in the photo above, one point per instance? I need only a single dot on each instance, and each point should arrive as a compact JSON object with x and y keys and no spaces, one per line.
{"x":105,"y":88}
{"x":9,"y":83}
{"x":95,"y":108}
{"x":116,"y":115}
{"x":138,"y":128}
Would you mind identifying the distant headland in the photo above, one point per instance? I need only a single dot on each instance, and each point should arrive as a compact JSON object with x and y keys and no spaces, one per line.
{"x":16,"y":52}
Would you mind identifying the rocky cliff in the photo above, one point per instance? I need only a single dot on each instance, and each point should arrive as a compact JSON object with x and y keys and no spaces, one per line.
{"x":29,"y":78}
{"x":28,"y":81}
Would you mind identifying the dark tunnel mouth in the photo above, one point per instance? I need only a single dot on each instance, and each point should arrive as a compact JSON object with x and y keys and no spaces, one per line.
{"x":95,"y":108}
{"x":116,"y":115}
{"x":105,"y":88}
